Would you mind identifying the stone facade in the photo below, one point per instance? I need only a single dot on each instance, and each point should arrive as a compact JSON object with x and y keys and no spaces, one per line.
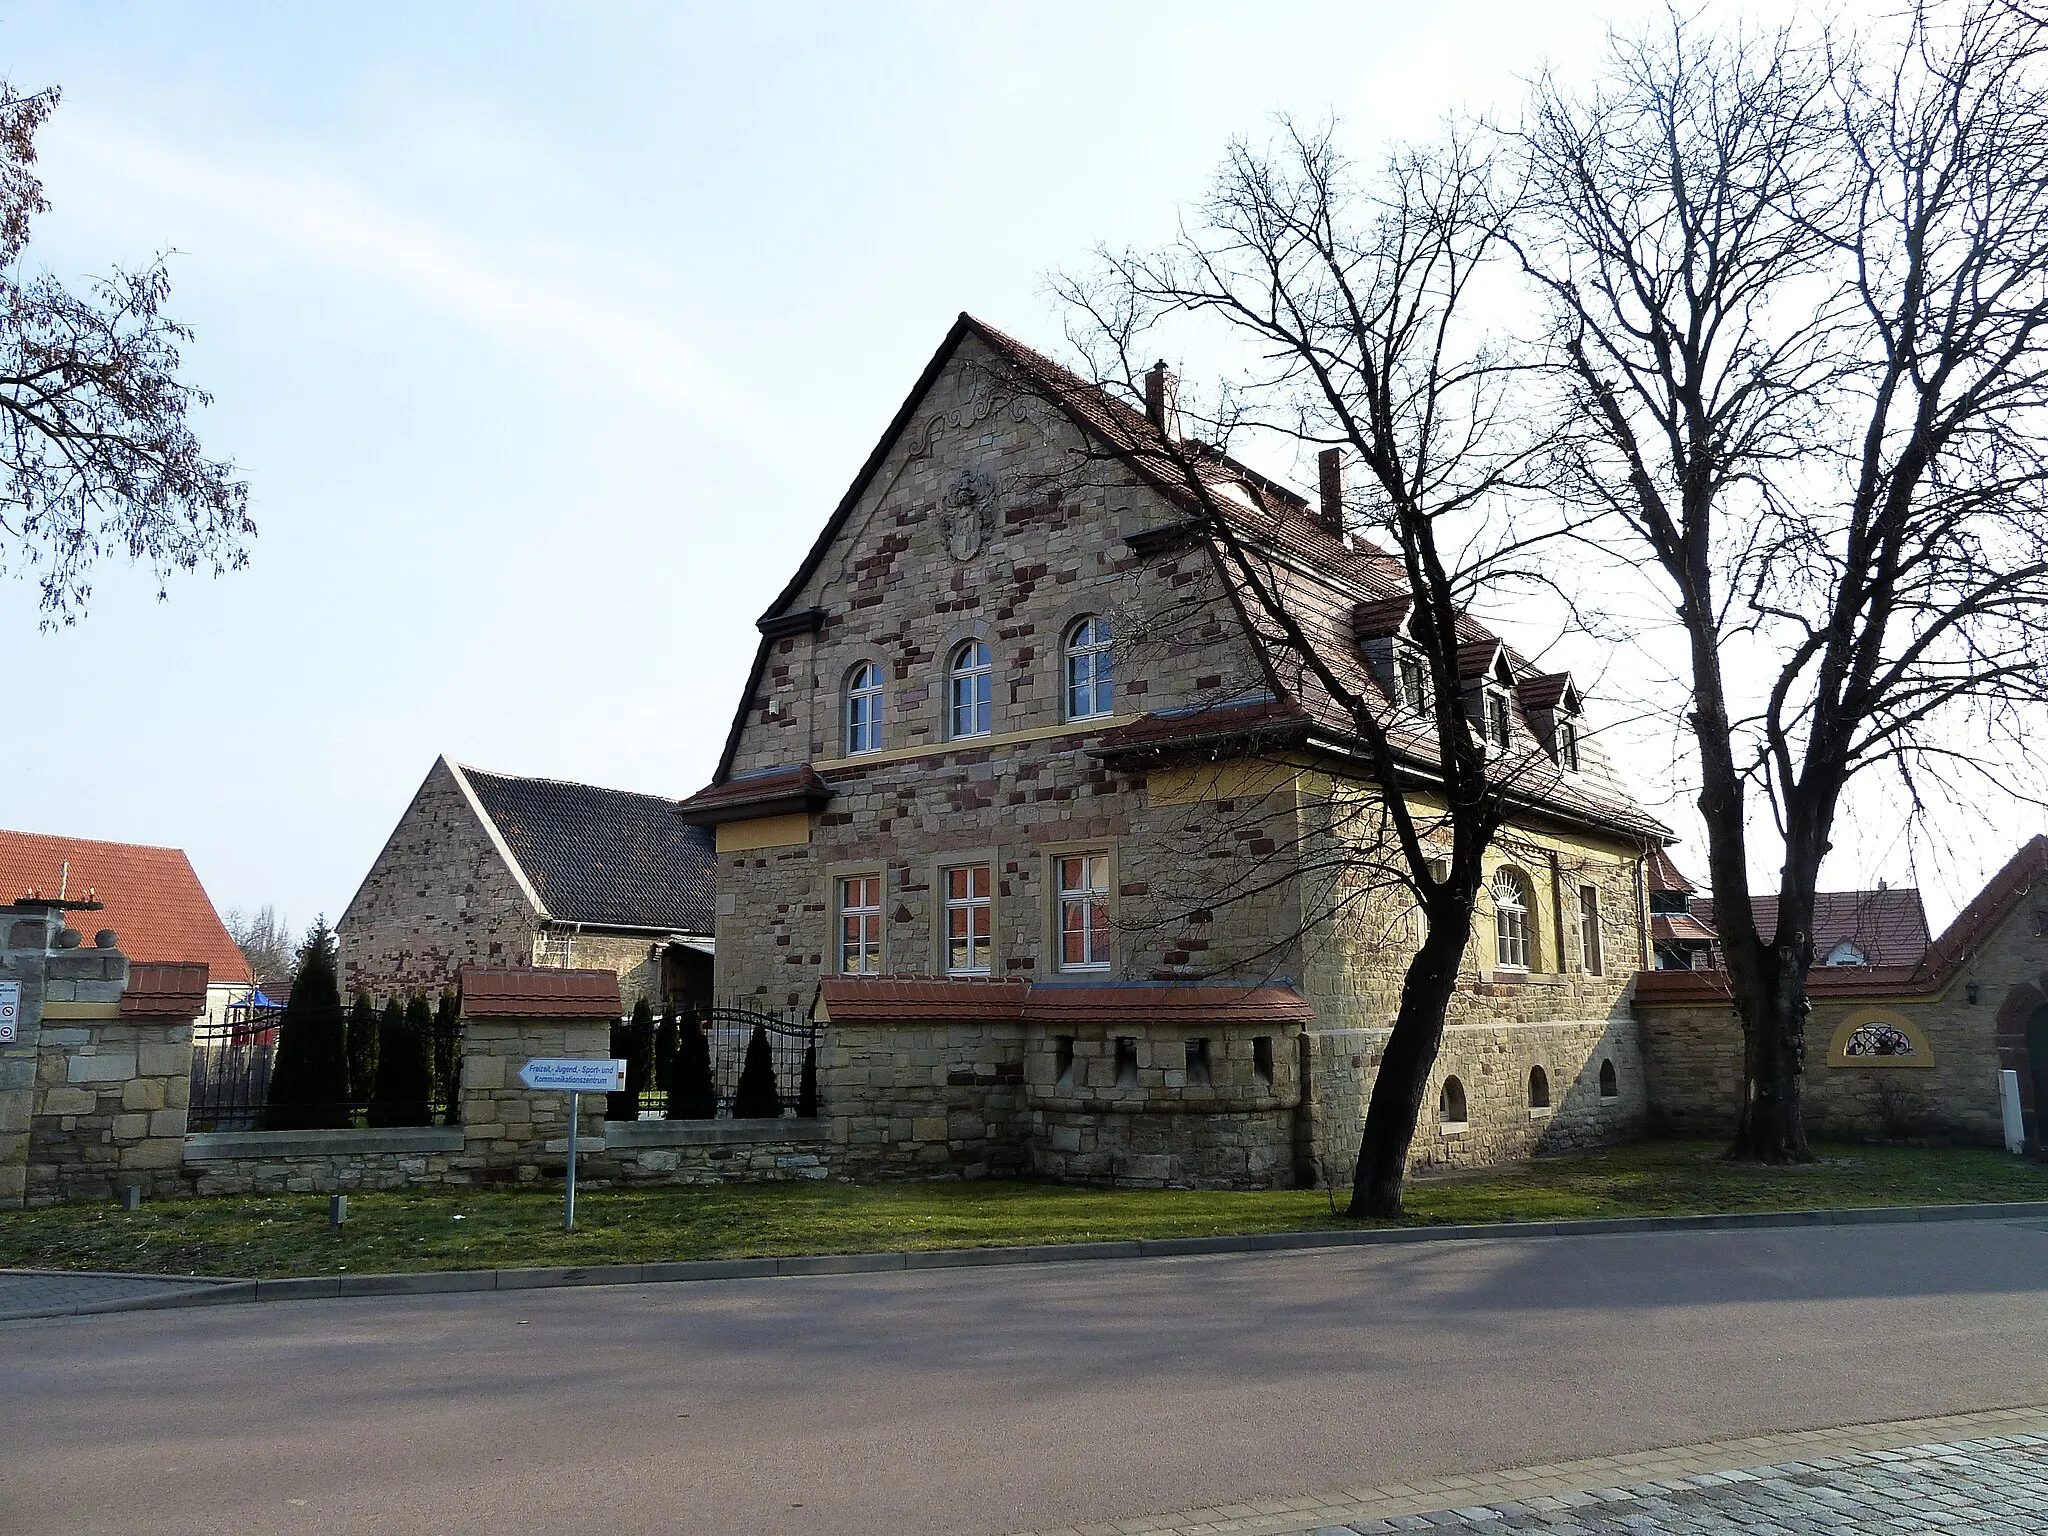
{"x":976,"y":526}
{"x":451,"y":887}
{"x":94,"y":1087}
{"x":440,"y":896}
{"x":1964,"y":1013}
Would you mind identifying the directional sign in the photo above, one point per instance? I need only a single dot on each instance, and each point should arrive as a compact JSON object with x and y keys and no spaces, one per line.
{"x":574,"y":1074}
{"x":10,"y":1010}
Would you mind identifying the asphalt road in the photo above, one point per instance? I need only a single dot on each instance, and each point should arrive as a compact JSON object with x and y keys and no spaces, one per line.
{"x":996,"y":1400}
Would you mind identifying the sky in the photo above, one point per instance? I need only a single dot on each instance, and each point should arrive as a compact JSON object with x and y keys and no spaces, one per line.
{"x":548,"y":337}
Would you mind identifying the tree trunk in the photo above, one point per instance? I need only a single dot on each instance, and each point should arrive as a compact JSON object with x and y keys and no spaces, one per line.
{"x":1404,"y":1070}
{"x":1772,"y":1128}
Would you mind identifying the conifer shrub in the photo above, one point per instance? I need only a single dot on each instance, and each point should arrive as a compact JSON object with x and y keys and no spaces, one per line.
{"x":362,"y":1048}
{"x":666,"y":1037}
{"x":757,"y":1097}
{"x":309,"y":1066}
{"x":405,"y":1064}
{"x":692,"y":1094}
{"x":807,"y":1085}
{"x":448,"y":1055}
{"x":632,"y":1043}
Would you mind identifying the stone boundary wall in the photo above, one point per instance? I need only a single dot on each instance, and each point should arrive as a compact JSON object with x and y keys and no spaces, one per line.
{"x":323,"y":1162}
{"x":111,"y":1098}
{"x":925,"y":1101}
{"x":1493,"y":1065}
{"x":713,"y":1151}
{"x":1694,"y":1053}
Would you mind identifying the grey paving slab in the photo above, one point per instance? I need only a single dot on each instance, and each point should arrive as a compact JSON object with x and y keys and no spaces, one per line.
{"x":1997,"y":1485}
{"x":59,"y":1293}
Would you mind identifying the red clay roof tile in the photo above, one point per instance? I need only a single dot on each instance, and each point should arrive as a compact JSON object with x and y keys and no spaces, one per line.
{"x":536,"y":992}
{"x":165,"y":991}
{"x":154,"y":900}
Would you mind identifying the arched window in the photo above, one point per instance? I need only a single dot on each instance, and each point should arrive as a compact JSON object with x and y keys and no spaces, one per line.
{"x":1091,"y":669}
{"x":1512,"y":950}
{"x":1610,"y":1086}
{"x":971,"y":691}
{"x":1539,"y":1088}
{"x":1450,"y":1103}
{"x":864,"y":709}
{"x":1846,"y":953}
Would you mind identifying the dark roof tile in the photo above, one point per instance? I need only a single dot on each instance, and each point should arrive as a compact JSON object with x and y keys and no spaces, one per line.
{"x":603,"y":856}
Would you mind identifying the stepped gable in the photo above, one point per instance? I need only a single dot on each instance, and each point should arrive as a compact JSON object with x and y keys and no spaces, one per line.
{"x":605,"y":857}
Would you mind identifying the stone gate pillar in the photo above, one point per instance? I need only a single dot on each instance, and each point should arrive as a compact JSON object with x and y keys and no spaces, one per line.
{"x":510,"y":1016}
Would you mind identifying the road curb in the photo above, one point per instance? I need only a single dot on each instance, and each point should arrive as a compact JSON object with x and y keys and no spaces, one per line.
{"x":433,"y":1282}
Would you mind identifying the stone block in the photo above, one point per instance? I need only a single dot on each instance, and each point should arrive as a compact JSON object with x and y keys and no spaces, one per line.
{"x":167,"y":1122}
{"x":101,"y":1067}
{"x":156,"y":1152}
{"x":130,"y":1127}
{"x":66,"y":1100}
{"x":164,"y":1060}
{"x":143,"y":1093}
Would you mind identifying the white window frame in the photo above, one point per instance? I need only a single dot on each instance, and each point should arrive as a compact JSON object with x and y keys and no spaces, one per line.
{"x":968,"y":918}
{"x":1592,"y":954}
{"x":1494,"y":724}
{"x":1567,"y":733}
{"x":860,"y":943}
{"x":1083,"y":895}
{"x":863,"y":712}
{"x":970,"y":676}
{"x":1513,"y":947}
{"x":1411,"y":676}
{"x":1089,"y":668}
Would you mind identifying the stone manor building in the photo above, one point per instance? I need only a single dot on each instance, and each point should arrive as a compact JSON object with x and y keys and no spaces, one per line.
{"x":1025,"y":800}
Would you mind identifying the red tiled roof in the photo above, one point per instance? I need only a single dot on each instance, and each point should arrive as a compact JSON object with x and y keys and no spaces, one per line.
{"x":759,"y":794}
{"x":2024,"y":873}
{"x":1546,"y":691}
{"x":161,"y":991}
{"x":1663,"y":875}
{"x":1380,"y":618}
{"x":1679,"y":928}
{"x":1167,"y":1003}
{"x":907,"y":999}
{"x":865,"y":999}
{"x":535,"y":992}
{"x":154,"y":900}
{"x":1888,"y":926}
{"x":1233,"y":723}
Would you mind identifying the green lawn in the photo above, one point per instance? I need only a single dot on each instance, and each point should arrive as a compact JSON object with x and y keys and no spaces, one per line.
{"x":287,"y":1234}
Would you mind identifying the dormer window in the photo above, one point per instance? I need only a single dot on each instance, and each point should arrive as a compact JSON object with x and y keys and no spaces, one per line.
{"x":1495,"y":725}
{"x":1566,"y":737}
{"x":1846,"y":953}
{"x":1416,"y":692}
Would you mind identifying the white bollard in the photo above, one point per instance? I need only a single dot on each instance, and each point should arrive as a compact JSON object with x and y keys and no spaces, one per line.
{"x":2009,"y":1102}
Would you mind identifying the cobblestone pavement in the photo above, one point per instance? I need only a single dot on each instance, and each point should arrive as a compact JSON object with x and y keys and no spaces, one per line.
{"x":1994,"y":1487}
{"x":1968,"y":1474}
{"x":58,"y":1293}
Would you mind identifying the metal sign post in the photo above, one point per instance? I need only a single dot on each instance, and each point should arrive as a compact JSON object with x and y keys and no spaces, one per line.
{"x":573,"y":1075}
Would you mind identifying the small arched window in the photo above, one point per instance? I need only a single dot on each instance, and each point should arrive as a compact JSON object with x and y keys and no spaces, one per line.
{"x":1539,"y":1088}
{"x":1846,"y":953}
{"x":1512,"y":950}
{"x":1091,"y":669}
{"x":1451,"y":1102}
{"x":864,"y":709}
{"x":1610,"y":1085}
{"x":971,"y":691}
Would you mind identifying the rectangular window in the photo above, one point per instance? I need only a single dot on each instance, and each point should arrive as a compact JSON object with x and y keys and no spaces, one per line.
{"x":967,"y":920}
{"x":1589,"y":928}
{"x":1497,"y":720}
{"x":558,"y":949}
{"x":1568,"y":745}
{"x":1413,"y":672}
{"x":860,"y":925}
{"x":1084,"y":912}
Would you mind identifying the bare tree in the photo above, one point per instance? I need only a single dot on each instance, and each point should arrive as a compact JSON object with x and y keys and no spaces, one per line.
{"x":1357,"y":300}
{"x":266,"y":942}
{"x":97,"y":453}
{"x":1801,"y":298}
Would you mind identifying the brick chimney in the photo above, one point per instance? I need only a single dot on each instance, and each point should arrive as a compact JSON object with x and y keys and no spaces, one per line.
{"x":1162,"y":399}
{"x":1330,"y":481}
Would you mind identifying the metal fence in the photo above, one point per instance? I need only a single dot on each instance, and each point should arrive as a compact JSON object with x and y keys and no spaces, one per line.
{"x":230,"y":1088}
{"x":728,"y":1030}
